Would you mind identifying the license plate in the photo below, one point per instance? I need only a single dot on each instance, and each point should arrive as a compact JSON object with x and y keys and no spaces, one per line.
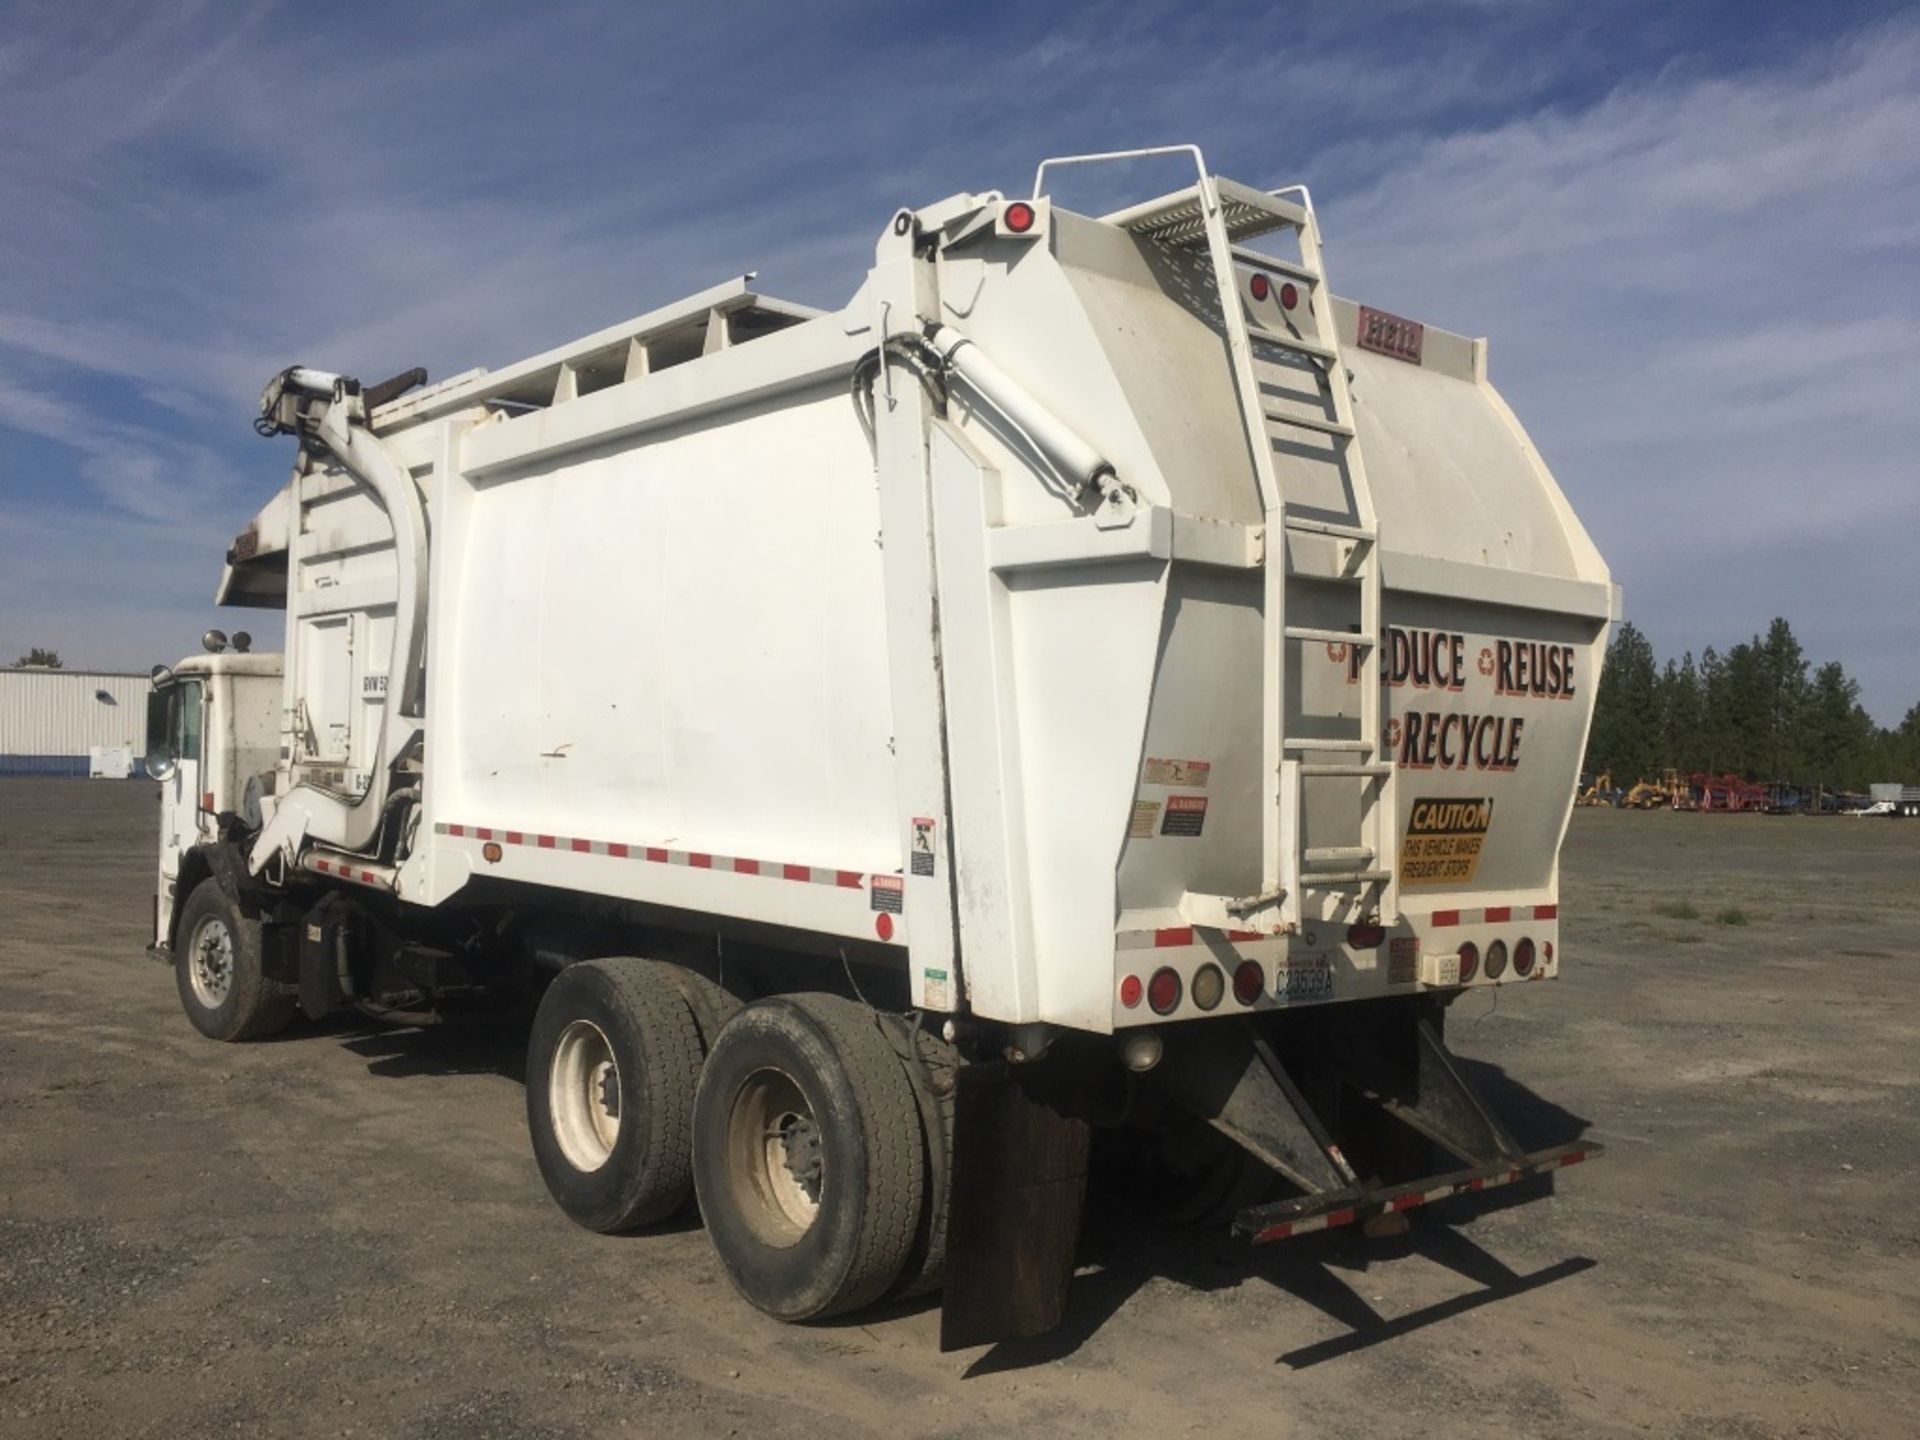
{"x":1303,"y":980}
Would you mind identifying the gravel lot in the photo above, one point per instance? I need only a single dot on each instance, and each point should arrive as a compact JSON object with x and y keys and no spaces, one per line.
{"x":341,"y":1232}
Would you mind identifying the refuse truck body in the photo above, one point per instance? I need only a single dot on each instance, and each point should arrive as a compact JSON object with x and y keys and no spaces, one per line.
{"x":1096,"y":694}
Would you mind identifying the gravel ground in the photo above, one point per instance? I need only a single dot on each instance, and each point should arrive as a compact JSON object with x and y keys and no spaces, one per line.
{"x":341,"y":1232}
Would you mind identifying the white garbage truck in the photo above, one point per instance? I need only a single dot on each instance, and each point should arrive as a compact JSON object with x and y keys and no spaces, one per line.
{"x":1086,"y":707}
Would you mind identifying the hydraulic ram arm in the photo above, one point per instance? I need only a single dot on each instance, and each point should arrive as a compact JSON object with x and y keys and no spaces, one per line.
{"x":329,"y":414}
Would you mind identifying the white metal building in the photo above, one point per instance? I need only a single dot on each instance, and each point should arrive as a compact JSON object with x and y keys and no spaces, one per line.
{"x":52,"y":721}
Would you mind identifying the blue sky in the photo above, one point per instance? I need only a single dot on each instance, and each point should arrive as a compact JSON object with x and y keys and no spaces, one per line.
{"x":1692,"y":233}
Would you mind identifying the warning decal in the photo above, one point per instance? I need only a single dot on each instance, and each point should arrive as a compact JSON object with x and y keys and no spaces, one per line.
{"x":1186,"y":814}
{"x":920,"y":860}
{"x":1145,"y":814}
{"x":1443,"y":841}
{"x":1192,"y":773}
{"x":889,"y":894}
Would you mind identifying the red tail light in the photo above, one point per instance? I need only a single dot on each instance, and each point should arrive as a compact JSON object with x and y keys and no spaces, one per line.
{"x":1523,"y":958}
{"x":1469,"y":961}
{"x":1496,"y":959}
{"x":1130,"y":990}
{"x":1289,"y":296}
{"x":1163,"y":992}
{"x":1261,"y":287}
{"x":1018,"y":217}
{"x":1249,"y":982}
{"x":1366,"y":935}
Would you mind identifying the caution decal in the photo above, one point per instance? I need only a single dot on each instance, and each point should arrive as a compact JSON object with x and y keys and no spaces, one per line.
{"x":1186,"y":816}
{"x":1443,"y":841}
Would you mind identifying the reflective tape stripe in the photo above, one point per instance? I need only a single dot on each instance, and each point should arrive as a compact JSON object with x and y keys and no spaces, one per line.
{"x":1492,"y":915}
{"x":658,"y":855}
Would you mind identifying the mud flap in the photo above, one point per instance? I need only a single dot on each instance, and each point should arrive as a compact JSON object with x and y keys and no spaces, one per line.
{"x":1019,"y":1186}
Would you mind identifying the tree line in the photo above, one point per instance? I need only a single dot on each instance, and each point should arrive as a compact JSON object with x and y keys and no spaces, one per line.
{"x":1760,"y":710}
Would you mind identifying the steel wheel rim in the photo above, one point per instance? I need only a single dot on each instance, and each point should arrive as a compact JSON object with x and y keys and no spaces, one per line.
{"x":584,"y":1096}
{"x":210,"y":962}
{"x":776,"y":1163}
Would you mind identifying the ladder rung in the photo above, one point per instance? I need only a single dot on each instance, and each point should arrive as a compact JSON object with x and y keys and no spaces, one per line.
{"x":1282,"y":340}
{"x":1378,"y":767}
{"x":1328,"y":527}
{"x":1336,"y":854}
{"x":1330,"y":637}
{"x":1308,"y":743}
{"x":1311,"y":422}
{"x":1344,"y":877}
{"x":1278,"y":266}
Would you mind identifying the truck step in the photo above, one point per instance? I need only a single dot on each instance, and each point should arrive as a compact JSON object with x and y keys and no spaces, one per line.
{"x":1330,"y":637}
{"x":1279,"y":267}
{"x":1282,"y":340}
{"x":1283,"y":1219}
{"x":1359,"y":772}
{"x":1329,"y":527}
{"x":1310,"y":422}
{"x":1304,"y":742}
{"x":1336,"y":854}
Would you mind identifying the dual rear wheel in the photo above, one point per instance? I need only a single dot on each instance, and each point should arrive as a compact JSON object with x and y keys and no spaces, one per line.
{"x":793,"y":1120}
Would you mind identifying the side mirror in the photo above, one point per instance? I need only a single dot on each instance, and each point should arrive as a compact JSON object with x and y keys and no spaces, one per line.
{"x":161,"y":761}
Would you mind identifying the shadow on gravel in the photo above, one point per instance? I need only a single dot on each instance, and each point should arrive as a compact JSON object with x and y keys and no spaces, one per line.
{"x":468,"y":1046}
{"x":1129,"y":1256}
{"x":1126,"y":1255}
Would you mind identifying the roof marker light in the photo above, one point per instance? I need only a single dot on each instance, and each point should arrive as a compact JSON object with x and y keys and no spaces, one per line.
{"x":1018,"y":217}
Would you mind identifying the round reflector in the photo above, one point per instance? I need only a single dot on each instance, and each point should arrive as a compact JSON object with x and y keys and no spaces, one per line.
{"x":1019,"y":217}
{"x":1130,"y":991}
{"x":1289,"y":295}
{"x":1209,"y":984}
{"x":1469,"y":961}
{"x":1163,"y":992}
{"x":1523,"y":958}
{"x":1261,"y":287}
{"x":1249,"y":982}
{"x":1366,"y":934}
{"x":1496,"y":959}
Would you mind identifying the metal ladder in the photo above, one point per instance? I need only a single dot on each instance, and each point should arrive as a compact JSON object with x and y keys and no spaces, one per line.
{"x":1222,"y":216}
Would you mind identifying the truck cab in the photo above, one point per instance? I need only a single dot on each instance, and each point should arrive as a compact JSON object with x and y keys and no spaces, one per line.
{"x":213,"y":724}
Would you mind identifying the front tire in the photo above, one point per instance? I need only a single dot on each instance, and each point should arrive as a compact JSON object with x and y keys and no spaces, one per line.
{"x":611,"y":1067}
{"x":808,"y":1156}
{"x":217,"y":967}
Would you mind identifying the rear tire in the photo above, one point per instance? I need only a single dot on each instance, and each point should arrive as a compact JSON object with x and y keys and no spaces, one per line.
{"x":611,"y":1068}
{"x":808,"y":1157}
{"x":217,"y":968}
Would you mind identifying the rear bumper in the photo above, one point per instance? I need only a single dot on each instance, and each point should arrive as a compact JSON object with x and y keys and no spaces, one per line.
{"x":1284,"y":1219}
